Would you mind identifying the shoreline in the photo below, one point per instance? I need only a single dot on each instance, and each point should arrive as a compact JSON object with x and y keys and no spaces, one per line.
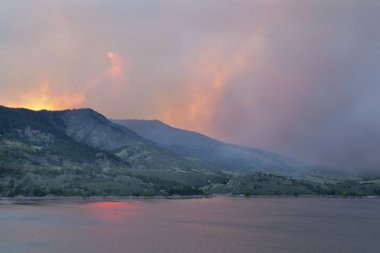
{"x":73,"y":199}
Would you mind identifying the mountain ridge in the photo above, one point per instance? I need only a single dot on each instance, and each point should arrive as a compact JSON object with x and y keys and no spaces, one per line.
{"x":194,"y":145}
{"x":141,"y":143}
{"x":55,"y":149}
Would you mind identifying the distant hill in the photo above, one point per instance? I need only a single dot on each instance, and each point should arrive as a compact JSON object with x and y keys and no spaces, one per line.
{"x":195,"y":146}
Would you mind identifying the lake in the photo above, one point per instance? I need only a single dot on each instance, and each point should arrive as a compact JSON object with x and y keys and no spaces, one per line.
{"x":220,"y":224}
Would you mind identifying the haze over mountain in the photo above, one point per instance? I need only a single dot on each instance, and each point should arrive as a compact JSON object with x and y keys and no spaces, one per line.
{"x":142,"y":145}
{"x":195,"y":146}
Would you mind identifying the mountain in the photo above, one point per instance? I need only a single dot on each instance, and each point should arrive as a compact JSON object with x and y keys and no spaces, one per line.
{"x":82,"y":153}
{"x":76,"y":152}
{"x":195,"y":146}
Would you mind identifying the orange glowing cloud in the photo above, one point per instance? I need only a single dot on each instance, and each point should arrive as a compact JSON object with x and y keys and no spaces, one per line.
{"x":42,"y":97}
{"x":115,"y":70}
{"x":113,"y":75}
{"x":211,"y":71}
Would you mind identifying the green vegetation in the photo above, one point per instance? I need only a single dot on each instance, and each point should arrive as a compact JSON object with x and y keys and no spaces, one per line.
{"x":65,"y":182}
{"x":270,"y":184}
{"x":84,"y":183}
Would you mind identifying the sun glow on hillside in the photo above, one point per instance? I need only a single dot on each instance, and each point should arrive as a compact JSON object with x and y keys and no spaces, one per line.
{"x":42,"y":97}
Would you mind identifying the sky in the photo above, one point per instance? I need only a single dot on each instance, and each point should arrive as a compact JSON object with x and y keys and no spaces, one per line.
{"x":296,"y":77}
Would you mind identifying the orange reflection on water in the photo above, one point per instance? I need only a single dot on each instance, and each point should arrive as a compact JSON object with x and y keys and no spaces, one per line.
{"x":111,"y":210}
{"x":113,"y":204}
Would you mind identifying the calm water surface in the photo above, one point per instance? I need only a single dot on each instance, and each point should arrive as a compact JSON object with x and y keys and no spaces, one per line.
{"x":198,"y":225}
